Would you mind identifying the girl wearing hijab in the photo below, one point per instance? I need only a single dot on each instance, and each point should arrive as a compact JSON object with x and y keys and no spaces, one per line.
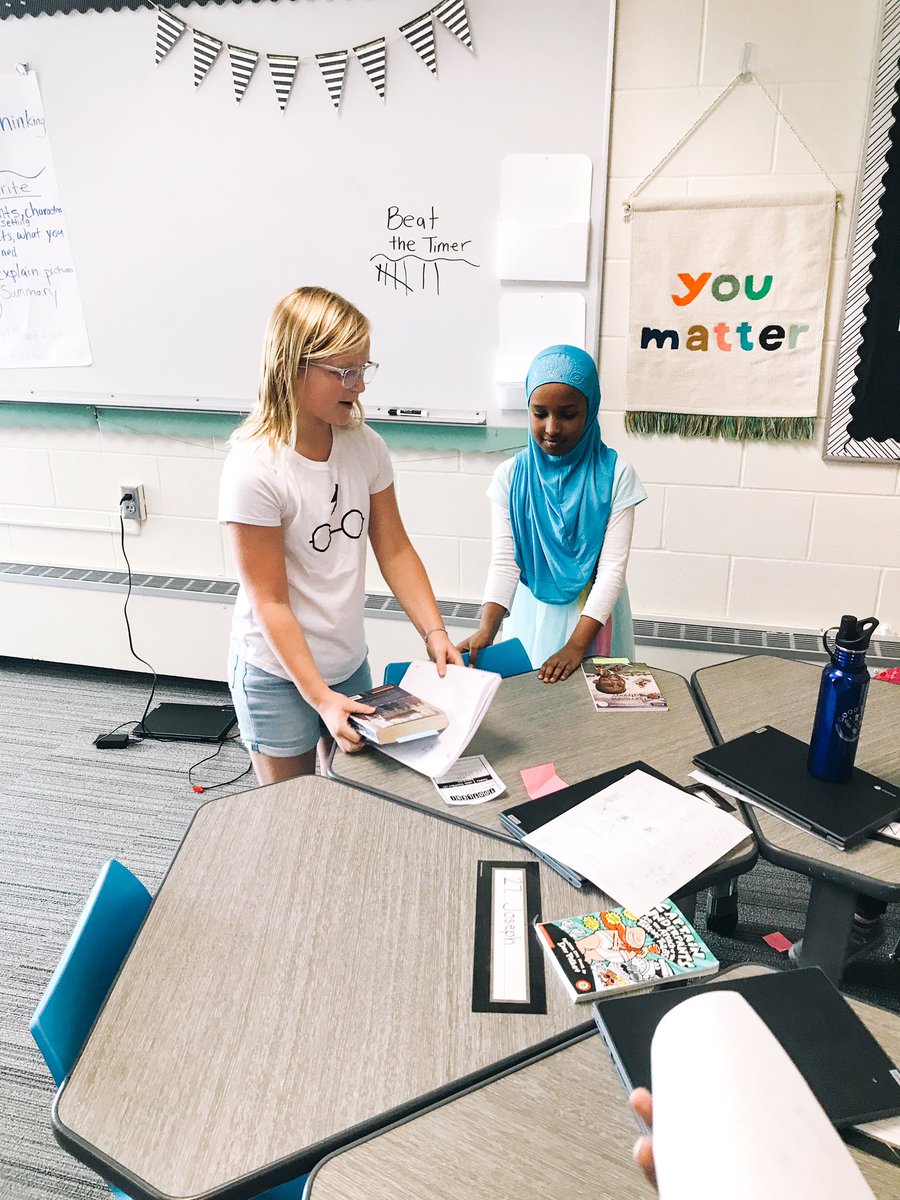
{"x":562,"y":517}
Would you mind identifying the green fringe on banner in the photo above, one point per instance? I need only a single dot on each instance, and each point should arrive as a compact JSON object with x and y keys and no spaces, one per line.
{"x":735,"y":429}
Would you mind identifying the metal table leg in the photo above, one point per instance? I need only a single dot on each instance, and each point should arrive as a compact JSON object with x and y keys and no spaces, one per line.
{"x":829,"y":917}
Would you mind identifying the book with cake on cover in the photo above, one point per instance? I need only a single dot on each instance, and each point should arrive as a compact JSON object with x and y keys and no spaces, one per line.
{"x":399,"y":716}
{"x":615,"y":950}
{"x":616,"y":686}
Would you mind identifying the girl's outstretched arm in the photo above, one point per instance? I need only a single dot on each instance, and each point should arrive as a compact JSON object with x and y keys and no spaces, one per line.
{"x":405,"y":576}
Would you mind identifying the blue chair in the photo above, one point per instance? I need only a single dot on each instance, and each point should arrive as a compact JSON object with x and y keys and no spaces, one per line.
{"x":84,"y":974}
{"x":94,"y":952}
{"x":503,"y":658}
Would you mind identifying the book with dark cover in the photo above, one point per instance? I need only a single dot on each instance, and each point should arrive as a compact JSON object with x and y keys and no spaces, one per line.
{"x":399,"y":716}
{"x":615,"y":950}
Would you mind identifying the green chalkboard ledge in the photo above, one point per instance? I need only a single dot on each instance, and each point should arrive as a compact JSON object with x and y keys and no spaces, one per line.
{"x":469,"y":438}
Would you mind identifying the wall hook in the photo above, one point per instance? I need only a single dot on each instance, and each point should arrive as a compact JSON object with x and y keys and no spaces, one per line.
{"x":745,"y":71}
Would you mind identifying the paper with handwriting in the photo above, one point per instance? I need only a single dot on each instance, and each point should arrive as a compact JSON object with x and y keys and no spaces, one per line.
{"x":640,"y":839}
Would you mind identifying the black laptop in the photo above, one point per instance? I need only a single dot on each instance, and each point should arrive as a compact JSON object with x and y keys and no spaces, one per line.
{"x":770,"y":766}
{"x":849,"y":1073}
{"x":188,"y":722}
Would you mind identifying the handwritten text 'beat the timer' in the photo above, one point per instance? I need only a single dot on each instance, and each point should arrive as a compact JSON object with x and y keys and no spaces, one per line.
{"x":416,"y":252}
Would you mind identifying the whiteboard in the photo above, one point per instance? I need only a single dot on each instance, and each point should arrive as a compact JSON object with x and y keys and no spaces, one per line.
{"x":189,"y":215}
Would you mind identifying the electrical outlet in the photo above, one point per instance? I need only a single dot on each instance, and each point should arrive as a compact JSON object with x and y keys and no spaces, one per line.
{"x":134,"y":508}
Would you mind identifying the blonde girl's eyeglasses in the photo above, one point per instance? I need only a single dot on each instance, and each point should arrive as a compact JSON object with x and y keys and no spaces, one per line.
{"x":350,"y":376}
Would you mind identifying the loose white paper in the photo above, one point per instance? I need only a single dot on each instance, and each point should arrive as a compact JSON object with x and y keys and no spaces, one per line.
{"x":41,"y":318}
{"x":464,"y":694}
{"x":470,"y":780}
{"x":640,"y":839}
{"x":764,"y":1132}
{"x":887,"y":1131}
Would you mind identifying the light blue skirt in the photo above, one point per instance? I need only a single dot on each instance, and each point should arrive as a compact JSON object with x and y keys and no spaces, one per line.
{"x":545,"y":628}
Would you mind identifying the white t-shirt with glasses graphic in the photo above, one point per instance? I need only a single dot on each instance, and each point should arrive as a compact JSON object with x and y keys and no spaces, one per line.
{"x":323,"y":511}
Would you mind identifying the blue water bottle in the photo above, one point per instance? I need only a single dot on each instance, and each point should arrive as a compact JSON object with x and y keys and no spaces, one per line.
{"x":842,"y":701}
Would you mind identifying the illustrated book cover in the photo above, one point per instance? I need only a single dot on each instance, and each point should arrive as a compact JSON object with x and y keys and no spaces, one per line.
{"x":622,"y":686}
{"x":399,"y":716}
{"x":605,"y":952}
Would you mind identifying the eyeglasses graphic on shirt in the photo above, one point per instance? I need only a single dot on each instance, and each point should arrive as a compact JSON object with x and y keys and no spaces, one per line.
{"x":350,"y":376}
{"x":351,"y":526}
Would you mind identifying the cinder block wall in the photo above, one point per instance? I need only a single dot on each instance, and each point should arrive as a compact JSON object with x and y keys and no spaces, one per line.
{"x":761,"y":534}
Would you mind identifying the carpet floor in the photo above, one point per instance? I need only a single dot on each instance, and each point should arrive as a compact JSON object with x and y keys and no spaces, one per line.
{"x":66,"y":807}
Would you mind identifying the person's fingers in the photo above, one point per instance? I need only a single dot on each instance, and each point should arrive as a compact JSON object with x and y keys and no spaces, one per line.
{"x":454,"y":656}
{"x":643,"y":1156}
{"x":354,"y":706}
{"x":463,"y":646}
{"x":642,"y":1103}
{"x":440,"y":660}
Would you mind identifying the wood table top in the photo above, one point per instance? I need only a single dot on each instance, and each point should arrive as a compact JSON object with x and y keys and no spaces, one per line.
{"x":763,"y":690}
{"x":556,"y":1126}
{"x":304,"y":975}
{"x":530,"y":723}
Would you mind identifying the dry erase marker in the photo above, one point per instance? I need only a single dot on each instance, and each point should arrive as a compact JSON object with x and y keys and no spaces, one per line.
{"x":407,"y":412}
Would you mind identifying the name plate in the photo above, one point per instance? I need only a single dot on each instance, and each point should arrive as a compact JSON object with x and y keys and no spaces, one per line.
{"x":508,"y":967}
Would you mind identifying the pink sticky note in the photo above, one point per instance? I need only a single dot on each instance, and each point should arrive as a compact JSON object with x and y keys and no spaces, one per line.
{"x":778,"y":942}
{"x":542,"y":780}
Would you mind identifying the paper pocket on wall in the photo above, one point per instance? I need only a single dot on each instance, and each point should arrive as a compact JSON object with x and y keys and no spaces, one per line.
{"x":531,"y":251}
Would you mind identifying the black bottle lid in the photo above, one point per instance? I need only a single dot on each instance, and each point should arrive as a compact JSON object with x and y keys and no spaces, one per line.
{"x":855,"y":635}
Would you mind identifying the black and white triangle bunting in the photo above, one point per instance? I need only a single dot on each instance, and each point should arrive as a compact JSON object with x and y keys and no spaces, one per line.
{"x":168,"y":30}
{"x":333,"y":65}
{"x":206,"y":51}
{"x":420,"y":35}
{"x":372,"y":56}
{"x":243,"y":64}
{"x":373,"y":60}
{"x":284,"y":72}
{"x":453,"y":16}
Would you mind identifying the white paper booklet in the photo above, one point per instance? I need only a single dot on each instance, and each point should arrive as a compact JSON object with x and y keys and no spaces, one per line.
{"x":764,"y":1132}
{"x":640,"y":839}
{"x":464,"y":694}
{"x":470,"y":780}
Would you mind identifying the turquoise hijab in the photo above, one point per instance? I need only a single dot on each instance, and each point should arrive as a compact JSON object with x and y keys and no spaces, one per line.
{"x":559,"y":505}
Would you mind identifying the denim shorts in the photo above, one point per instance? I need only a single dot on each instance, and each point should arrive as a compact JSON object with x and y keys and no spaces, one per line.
{"x":273,"y":717}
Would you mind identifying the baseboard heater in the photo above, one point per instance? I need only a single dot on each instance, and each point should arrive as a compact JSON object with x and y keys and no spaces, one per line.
{"x":714,"y":638}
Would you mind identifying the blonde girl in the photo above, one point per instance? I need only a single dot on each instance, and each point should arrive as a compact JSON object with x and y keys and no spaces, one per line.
{"x":305,"y":485}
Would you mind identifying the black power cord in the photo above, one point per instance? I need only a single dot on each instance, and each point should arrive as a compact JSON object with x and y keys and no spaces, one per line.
{"x":137,"y":727}
{"x":139,"y":731}
{"x":208,"y":787}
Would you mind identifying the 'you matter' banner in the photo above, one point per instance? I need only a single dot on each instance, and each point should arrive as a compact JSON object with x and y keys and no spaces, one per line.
{"x":727,"y":315}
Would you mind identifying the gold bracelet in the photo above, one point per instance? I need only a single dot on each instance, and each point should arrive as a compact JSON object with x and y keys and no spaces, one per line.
{"x":440,"y":629}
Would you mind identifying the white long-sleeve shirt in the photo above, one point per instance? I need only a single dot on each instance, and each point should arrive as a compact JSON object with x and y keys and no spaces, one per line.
{"x":503,"y":573}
